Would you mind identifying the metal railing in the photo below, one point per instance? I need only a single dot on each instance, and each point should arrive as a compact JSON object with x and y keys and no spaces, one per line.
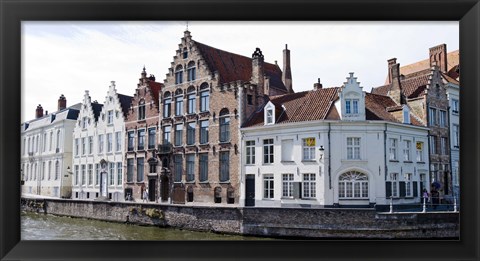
{"x":420,"y":204}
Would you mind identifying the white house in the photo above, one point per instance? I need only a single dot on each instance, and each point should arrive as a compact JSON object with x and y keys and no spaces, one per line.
{"x":333,"y":147}
{"x":98,"y":146}
{"x":47,"y":151}
{"x":453,"y":90}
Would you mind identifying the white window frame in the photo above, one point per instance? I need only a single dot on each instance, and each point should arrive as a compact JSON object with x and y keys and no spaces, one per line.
{"x":408,"y":185}
{"x":309,"y":184}
{"x":353,"y":146}
{"x":407,"y":144}
{"x":287,"y":185}
{"x":110,"y":117}
{"x":395,"y":185}
{"x":268,"y":186}
{"x":393,"y":148}
{"x":268,"y":151}
{"x":456,"y":135}
{"x":250,"y":152}
{"x":308,"y":150}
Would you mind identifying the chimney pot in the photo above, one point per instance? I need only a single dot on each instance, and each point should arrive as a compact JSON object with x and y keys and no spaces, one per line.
{"x":39,"y":112}
{"x":62,"y":103}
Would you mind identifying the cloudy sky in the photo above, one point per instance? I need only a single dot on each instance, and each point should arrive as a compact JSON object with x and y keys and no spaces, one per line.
{"x":71,"y":57}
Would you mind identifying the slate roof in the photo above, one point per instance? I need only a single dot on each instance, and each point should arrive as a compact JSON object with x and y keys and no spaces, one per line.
{"x":125,"y":102}
{"x":319,"y":105}
{"x":96,"y":108}
{"x":232,"y":67}
{"x":69,"y":113}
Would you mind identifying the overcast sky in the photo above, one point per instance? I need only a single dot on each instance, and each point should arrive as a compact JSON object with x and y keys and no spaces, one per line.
{"x":71,"y":57}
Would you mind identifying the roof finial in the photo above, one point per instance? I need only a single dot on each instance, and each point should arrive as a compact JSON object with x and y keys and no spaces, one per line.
{"x":187,"y":26}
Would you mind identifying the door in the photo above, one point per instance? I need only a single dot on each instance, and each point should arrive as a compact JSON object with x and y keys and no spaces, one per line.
{"x":164,"y":188}
{"x":152,"y":188}
{"x":250,"y":190}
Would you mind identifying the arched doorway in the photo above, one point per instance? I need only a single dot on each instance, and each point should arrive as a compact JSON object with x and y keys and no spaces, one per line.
{"x":353,"y":188}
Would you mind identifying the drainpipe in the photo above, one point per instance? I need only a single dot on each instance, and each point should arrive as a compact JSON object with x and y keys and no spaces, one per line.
{"x":385,"y":151}
{"x":329,"y":157}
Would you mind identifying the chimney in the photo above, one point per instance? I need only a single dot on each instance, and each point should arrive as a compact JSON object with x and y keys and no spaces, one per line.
{"x":395,"y":91}
{"x":257,"y":69}
{"x":317,"y":85}
{"x":287,"y":72}
{"x":62,"y":103}
{"x":39,"y":112}
{"x":46,"y":112}
{"x":391,"y":63}
{"x":438,"y":54}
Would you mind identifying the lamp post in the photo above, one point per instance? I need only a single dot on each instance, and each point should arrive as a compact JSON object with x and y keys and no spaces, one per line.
{"x":321,"y":149}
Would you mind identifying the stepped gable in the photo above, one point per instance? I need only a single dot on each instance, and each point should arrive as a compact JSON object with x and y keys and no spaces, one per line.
{"x":232,"y":67}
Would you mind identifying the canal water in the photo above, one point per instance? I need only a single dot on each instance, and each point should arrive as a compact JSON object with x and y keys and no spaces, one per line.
{"x":38,"y":226}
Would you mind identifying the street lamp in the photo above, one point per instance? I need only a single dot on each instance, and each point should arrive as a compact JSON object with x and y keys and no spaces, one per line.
{"x":321,"y":149}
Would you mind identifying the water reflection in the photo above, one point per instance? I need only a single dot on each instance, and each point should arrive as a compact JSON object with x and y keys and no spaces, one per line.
{"x":49,"y":227}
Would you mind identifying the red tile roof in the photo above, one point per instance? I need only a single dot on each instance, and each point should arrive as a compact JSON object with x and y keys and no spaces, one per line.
{"x":453,"y":59}
{"x":413,"y":85}
{"x":232,"y":67}
{"x":155,"y":88}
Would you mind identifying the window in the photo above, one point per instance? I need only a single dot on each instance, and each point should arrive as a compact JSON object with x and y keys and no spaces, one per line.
{"x":394,"y":184}
{"x":268,"y":189}
{"x":250,"y":153}
{"x":140,"y":169}
{"x":185,"y":53}
{"x":308,"y":148}
{"x":90,"y":144}
{"x":57,"y":170}
{"x":455,"y":106}
{"x":44,"y":147}
{"x":408,"y":185}
{"x":423,"y":181}
{"x":191,"y":74}
{"x":443,"y":118}
{"x":406,"y":150}
{"x":178,"y":161}
{"x":203,"y":165}
{"x":179,"y":75}
{"x":100,"y":143}
{"x":419,"y":148}
{"x":166,"y":134}
{"x":393,"y":149}
{"x":90,"y":174}
{"x":83,"y":175}
{"x":443,"y":146}
{"x":129,"y":170}
{"x":351,"y":106}
{"x":224,"y":166}
{"x":110,"y":116}
{"x":433,"y":144}
{"x":406,"y":115}
{"x":190,"y":167}
{"x":191,"y":133}
{"x":109,"y":142}
{"x":432,"y":114}
{"x":167,"y":105}
{"x":204,"y":100}
{"x":49,"y":170}
{"x":353,"y":184}
{"x":309,"y":190}
{"x":131,"y":137}
{"x":111,"y":173}
{"x":249,"y":99}
{"x":287,"y":185}
{"x":204,"y":132}
{"x":76,"y":174}
{"x":151,"y":138}
{"x":36,"y":146}
{"x":268,"y":151}
{"x":97,"y":174}
{"x":179,"y":105}
{"x":141,"y":110}
{"x":24,"y":144}
{"x":118,"y":141}
{"x":224,"y":126}
{"x":178,"y":134}
{"x":456,"y":136}
{"x":141,"y":139}
{"x":353,"y":148}
{"x":191,"y":103}
{"x":77,"y":147}
{"x":50,"y":143}
{"x":269,"y":116}
{"x":84,"y":122}
{"x":43,"y":171}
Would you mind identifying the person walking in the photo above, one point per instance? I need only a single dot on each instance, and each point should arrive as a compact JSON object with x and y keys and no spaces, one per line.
{"x":145,"y":195}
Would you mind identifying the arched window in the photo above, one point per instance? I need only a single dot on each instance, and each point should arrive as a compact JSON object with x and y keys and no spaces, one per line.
{"x":353,"y":184}
{"x":141,"y":109}
{"x":167,"y":105}
{"x":51,"y":141}
{"x":58,"y":141}
{"x":204,"y":97}
{"x":191,"y":71}
{"x":49,"y":170}
{"x":178,"y":102}
{"x":179,"y":74}
{"x":191,"y":105}
{"x":224,"y":125}
{"x":185,"y":53}
{"x":36,"y":144}
{"x":57,"y":170}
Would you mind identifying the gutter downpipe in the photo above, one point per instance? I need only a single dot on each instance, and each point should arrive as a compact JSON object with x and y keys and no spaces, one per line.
{"x":329,"y":159}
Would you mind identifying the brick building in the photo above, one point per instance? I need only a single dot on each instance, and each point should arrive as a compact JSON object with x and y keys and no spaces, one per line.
{"x":141,"y":126}
{"x":423,"y":87}
{"x":208,"y":94}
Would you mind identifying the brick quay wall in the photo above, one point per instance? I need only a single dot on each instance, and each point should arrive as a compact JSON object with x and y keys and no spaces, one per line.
{"x":269,"y":222}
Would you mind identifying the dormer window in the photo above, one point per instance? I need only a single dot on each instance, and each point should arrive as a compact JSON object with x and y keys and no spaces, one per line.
{"x":269,"y":114}
{"x":406,"y":115}
{"x":351,"y":106}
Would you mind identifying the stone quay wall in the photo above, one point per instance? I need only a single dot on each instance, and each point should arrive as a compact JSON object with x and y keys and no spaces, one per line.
{"x":267,"y":222}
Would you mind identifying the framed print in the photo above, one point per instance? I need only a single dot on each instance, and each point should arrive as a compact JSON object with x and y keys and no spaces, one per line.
{"x":134,"y":171}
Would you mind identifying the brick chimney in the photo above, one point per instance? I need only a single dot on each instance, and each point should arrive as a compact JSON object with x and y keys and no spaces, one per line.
{"x":287,"y":72}
{"x":317,"y":85}
{"x":39,"y":112}
{"x":258,"y":70}
{"x":62,"y":103}
{"x":395,"y":91}
{"x":391,"y":63}
{"x":439,"y":54}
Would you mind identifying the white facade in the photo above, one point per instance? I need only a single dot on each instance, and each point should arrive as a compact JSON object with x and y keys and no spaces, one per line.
{"x":98,"y":147}
{"x":454,"y":116}
{"x":46,"y":153}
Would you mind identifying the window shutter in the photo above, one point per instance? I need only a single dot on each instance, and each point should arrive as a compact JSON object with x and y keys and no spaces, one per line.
{"x":388,"y":189}
{"x":402,"y":189}
{"x":416,"y":190}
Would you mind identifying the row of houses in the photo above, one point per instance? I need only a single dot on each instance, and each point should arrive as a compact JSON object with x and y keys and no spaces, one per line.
{"x":228,"y":130}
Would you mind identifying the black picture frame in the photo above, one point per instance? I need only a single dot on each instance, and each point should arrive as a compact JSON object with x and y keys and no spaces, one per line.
{"x":13,"y":12}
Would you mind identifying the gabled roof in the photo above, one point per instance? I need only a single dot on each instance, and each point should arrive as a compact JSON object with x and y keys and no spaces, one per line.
{"x":413,"y":85}
{"x":155,"y":88}
{"x":232,"y":67}
{"x":96,"y":108}
{"x":453,"y":59}
{"x":125,"y":102}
